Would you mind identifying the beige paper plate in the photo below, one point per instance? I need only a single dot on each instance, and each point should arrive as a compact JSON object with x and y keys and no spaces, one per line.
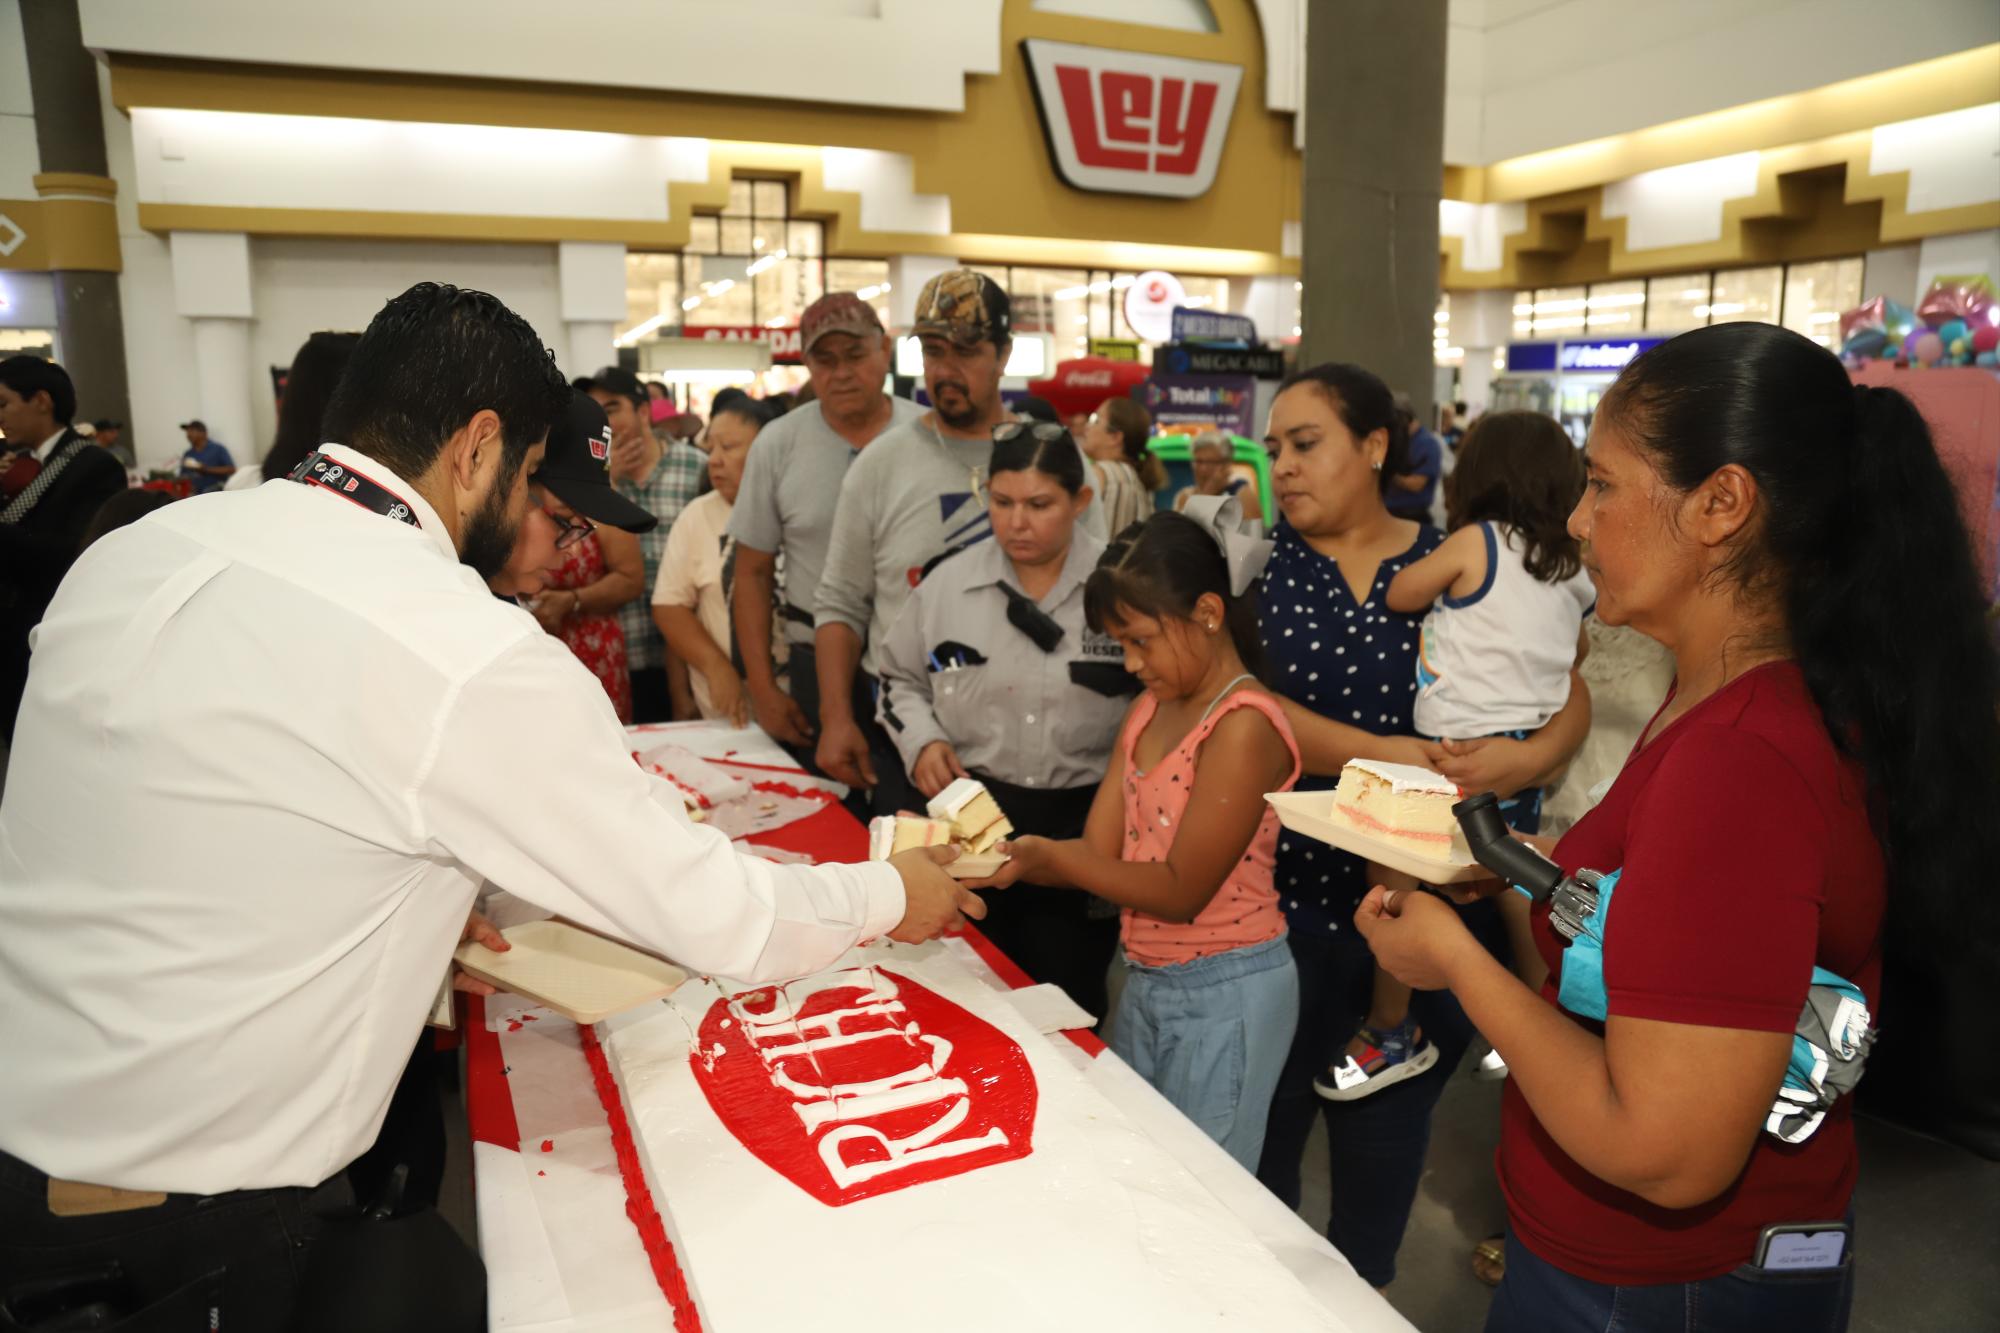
{"x":583,"y":977}
{"x":1310,"y":813}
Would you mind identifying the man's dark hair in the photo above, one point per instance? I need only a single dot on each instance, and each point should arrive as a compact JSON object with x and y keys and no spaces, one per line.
{"x":431,"y":360}
{"x":30,"y":375}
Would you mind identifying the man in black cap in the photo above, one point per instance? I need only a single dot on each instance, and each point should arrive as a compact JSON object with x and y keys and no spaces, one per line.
{"x":203,"y":1032}
{"x":207,"y":463}
{"x":659,"y":478}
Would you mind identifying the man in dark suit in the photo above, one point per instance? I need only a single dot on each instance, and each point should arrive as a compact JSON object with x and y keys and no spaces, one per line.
{"x":41,"y":524}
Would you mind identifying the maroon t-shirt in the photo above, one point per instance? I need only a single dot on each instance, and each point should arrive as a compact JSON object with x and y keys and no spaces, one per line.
{"x":1748,"y":858}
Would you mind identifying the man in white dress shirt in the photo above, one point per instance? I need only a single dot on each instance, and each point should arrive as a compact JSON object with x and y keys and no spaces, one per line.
{"x":272,"y":743}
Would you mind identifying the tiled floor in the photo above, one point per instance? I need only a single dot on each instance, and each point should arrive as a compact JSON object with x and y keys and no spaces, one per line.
{"x":1927,"y":1217}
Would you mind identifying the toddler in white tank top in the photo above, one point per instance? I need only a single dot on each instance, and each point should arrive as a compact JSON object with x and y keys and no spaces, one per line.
{"x":1507,"y":596}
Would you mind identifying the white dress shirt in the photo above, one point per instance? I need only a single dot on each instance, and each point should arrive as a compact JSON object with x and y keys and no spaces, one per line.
{"x":272,"y":743}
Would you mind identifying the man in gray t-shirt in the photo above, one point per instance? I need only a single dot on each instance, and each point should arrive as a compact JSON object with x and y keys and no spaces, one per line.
{"x":915,"y":494}
{"x":785,"y":506}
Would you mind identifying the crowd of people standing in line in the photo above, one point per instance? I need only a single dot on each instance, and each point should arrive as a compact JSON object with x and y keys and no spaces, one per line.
{"x":905,"y":596}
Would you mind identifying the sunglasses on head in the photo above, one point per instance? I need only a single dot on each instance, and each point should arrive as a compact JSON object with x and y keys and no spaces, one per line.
{"x":1045,"y":431}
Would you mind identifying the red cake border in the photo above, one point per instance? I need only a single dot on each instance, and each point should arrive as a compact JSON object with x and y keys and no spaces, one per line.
{"x":639,"y":1204}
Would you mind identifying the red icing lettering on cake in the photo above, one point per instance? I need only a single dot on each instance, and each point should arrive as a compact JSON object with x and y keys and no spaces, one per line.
{"x":863,"y":1081}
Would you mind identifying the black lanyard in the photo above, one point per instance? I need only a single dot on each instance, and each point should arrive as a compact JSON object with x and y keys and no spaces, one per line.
{"x":319,"y":470}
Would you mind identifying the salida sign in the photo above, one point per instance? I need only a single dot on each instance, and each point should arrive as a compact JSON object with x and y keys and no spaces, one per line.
{"x":1131,"y":122}
{"x":784,"y":342}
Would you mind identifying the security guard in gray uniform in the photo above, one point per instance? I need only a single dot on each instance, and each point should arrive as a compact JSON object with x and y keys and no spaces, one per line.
{"x":990,"y":672}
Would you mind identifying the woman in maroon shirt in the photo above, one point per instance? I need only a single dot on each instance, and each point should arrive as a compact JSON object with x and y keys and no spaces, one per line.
{"x":1794,"y":541}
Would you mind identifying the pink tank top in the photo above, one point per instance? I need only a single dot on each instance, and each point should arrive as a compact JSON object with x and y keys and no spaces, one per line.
{"x":1245,"y":909}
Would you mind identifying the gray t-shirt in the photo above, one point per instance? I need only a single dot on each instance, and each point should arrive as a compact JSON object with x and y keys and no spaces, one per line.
{"x":791,"y":485}
{"x":913,"y":495}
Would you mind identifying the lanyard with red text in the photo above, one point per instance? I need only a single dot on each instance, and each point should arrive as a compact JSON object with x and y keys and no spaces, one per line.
{"x":319,"y":470}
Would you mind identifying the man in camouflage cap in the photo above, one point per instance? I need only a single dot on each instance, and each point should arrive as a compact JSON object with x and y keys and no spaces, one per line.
{"x":913,"y":495}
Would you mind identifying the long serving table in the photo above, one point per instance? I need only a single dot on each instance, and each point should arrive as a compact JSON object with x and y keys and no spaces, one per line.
{"x":562,"y":1256}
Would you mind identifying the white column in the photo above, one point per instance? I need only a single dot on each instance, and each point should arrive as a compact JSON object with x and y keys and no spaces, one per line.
{"x":212,"y":292}
{"x":592,"y":279}
{"x":1267,"y":300}
{"x":1481,"y":321}
{"x":907,"y":276}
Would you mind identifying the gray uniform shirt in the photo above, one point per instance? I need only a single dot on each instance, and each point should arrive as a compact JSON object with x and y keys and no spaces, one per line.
{"x":791,"y":486}
{"x":913,"y":495}
{"x":955,"y":669}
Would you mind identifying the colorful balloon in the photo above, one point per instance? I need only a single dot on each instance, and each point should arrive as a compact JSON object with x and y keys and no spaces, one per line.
{"x":1929,"y":348}
{"x":1987,"y":359}
{"x":1986,"y":339}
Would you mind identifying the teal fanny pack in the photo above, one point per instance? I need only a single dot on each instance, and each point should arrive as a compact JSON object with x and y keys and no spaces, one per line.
{"x":1829,"y":1046}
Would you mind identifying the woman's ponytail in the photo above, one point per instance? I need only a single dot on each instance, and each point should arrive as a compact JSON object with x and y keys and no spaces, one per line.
{"x":1862,"y":543}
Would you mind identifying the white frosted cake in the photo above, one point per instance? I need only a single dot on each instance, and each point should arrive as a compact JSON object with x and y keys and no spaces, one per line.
{"x":1400,"y":804}
{"x":889,"y":1144}
{"x":975,"y":817}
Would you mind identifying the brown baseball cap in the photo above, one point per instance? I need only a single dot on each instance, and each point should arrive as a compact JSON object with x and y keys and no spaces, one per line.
{"x":837,"y":312}
{"x":965,"y":307}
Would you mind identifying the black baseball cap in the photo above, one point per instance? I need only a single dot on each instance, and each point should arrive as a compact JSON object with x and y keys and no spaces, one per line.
{"x":577,"y":467}
{"x":618,"y":380}
{"x":196,"y":424}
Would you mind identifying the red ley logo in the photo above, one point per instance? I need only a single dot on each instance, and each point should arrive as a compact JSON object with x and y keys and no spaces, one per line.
{"x":600,"y":445}
{"x":1130,"y":122}
{"x":862,"y":1081}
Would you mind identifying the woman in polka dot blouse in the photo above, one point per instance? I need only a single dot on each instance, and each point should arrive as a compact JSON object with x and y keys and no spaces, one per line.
{"x":1346,"y":666}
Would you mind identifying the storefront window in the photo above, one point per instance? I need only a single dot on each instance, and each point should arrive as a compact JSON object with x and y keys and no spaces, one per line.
{"x":866,"y":278}
{"x":1615,"y":307}
{"x":1677,"y":302}
{"x":1559,"y":311}
{"x":719,"y":291}
{"x":1817,"y":294}
{"x":1746,"y":293}
{"x":1055,"y":301}
{"x":1524,"y":315}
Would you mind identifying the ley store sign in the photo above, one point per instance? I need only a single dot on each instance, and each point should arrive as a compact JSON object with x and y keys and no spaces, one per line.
{"x":1129,"y":122}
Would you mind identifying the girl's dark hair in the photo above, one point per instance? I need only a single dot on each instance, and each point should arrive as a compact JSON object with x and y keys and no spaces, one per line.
{"x":1057,"y":457}
{"x":1520,"y":468}
{"x":310,"y":383}
{"x":1364,"y":405}
{"x":1160,"y":567}
{"x":1861,"y":543}
{"x":1134,"y":425}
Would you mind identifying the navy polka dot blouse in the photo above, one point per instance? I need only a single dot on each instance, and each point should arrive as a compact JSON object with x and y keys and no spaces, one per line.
{"x":1354,"y":662}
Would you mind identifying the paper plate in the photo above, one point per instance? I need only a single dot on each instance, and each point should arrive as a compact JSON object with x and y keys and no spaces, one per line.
{"x":1311,"y":813}
{"x":583,"y":977}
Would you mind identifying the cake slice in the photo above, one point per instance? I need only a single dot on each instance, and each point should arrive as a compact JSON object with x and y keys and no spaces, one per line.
{"x":1400,"y":804}
{"x":890,"y":835}
{"x":975,"y":817}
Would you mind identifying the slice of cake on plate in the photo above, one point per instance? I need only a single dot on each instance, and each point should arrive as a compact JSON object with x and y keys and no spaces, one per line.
{"x":891,"y":835}
{"x":976,"y":820}
{"x":1400,"y":804}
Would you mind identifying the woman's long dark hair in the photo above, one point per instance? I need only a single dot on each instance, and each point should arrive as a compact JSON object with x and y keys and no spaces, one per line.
{"x":1160,"y":567}
{"x":1861,"y":543}
{"x":310,"y":383}
{"x":1365,"y":405}
{"x":1520,"y":468}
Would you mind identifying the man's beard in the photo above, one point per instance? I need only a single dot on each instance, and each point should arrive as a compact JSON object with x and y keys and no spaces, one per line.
{"x":489,"y":541}
{"x":956,"y":420}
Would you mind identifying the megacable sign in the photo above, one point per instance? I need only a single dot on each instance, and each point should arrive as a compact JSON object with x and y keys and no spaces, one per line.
{"x":1130,"y":122}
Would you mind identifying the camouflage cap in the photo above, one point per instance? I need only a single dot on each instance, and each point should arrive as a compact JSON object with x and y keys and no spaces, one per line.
{"x":965,"y":307}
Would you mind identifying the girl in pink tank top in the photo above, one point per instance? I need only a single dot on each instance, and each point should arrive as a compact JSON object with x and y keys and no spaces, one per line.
{"x":1179,"y":835}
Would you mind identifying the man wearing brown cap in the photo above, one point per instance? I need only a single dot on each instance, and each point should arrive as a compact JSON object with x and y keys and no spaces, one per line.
{"x":785,"y":506}
{"x":918,"y":493}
